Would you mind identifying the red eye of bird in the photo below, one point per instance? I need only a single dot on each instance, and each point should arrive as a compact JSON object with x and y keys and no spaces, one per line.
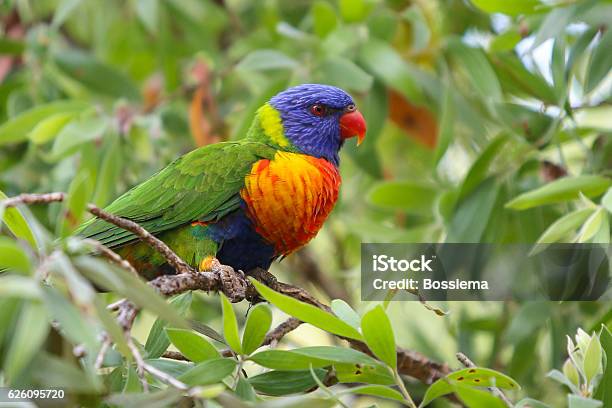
{"x":318,"y":110}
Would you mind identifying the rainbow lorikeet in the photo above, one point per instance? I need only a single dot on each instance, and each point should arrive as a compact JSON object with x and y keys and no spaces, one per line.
{"x":245,"y":202}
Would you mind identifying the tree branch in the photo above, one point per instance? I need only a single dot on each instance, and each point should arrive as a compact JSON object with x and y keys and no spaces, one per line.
{"x":224,"y":279}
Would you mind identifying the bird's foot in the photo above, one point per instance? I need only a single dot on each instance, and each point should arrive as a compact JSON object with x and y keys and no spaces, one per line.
{"x":233,"y":283}
{"x":264,"y":277}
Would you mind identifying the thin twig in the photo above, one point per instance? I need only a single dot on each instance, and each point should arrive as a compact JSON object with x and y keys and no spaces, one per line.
{"x":140,"y":364}
{"x":106,"y":343}
{"x":465,"y":360}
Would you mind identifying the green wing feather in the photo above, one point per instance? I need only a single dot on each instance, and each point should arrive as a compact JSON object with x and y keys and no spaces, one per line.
{"x":202,"y":185}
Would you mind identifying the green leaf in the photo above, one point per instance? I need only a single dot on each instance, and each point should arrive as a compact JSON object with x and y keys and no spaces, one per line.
{"x":530,"y":403}
{"x":173,"y":367}
{"x":378,"y":335}
{"x":71,"y":323}
{"x":230,"y":325}
{"x":19,"y":286}
{"x":17,"y":129}
{"x":592,"y":226}
{"x":345,"y":74}
{"x":324,"y":18}
{"x":263,"y":60}
{"x":592,"y":359}
{"x":63,"y":11}
{"x":413,"y":197}
{"x":512,"y":8}
{"x":27,"y":340}
{"x":358,"y":373}
{"x":345,"y":312}
{"x":307,"y":313}
{"x":604,"y":389}
{"x":279,"y":383}
{"x":354,"y":10}
{"x":337,"y":354}
{"x":376,"y":391}
{"x":606,"y":201}
{"x":193,"y":346}
{"x":481,"y":166}
{"x":576,"y":401}
{"x":209,"y":372}
{"x":475,"y":398}
{"x":16,"y":223}
{"x":601,"y":62}
{"x":9,"y":46}
{"x":158,"y":341}
{"x":387,"y":65}
{"x":169,"y":397}
{"x":577,"y":50}
{"x":473,"y":377}
{"x":53,"y":372}
{"x":562,"y":379}
{"x":257,"y":325}
{"x":76,"y":133}
{"x":477,"y":68}
{"x":245,"y":390}
{"x":49,"y":128}
{"x":446,"y":126}
{"x":73,"y":208}
{"x":13,"y":257}
{"x":287,"y":360}
{"x":116,"y":279}
{"x":560,"y":229}
{"x":479,"y":205}
{"x":561,"y":190}
{"x":95,"y":75}
{"x":148,"y":13}
{"x":515,"y":78}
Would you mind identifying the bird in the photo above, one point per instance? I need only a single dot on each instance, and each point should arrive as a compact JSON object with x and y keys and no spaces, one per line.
{"x":242,"y":203}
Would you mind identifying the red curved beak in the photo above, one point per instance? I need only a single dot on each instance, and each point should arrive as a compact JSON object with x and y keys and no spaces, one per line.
{"x":353,"y":124}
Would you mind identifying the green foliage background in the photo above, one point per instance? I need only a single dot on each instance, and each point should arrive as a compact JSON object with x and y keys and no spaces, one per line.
{"x":488,"y":121}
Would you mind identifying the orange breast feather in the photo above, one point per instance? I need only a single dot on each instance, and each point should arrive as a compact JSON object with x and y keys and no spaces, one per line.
{"x":289,"y":197}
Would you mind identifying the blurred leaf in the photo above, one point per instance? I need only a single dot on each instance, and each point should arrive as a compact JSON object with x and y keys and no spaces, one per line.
{"x":512,"y":8}
{"x":563,"y":226}
{"x":476,"y":205}
{"x":77,"y":132}
{"x":287,"y":360}
{"x":257,"y":325}
{"x":148,"y":13}
{"x":377,"y":391}
{"x":345,"y":74}
{"x":601,"y":62}
{"x":345,"y":312}
{"x":73,"y":208}
{"x":354,"y":10}
{"x":517,"y":79}
{"x":173,"y":367}
{"x":17,"y":129}
{"x":230,"y":325}
{"x":530,"y":403}
{"x":19,"y":286}
{"x":63,"y":11}
{"x":53,"y":372}
{"x":478,"y":69}
{"x":592,"y":359}
{"x":505,"y":41}
{"x":561,"y":190}
{"x":593,"y":225}
{"x":606,"y":201}
{"x":13,"y":257}
{"x":194,"y":347}
{"x":604,"y":389}
{"x":307,"y":313}
{"x":285,"y":382}
{"x":169,"y":397}
{"x":387,"y":65}
{"x":9,"y":46}
{"x":481,"y":166}
{"x":324,"y":18}
{"x":527,"y":320}
{"x":378,"y":335}
{"x":95,"y":75}
{"x":115,"y":279}
{"x":48,"y":128}
{"x":577,"y":50}
{"x":26,"y":341}
{"x":412,"y":197}
{"x":416,"y":120}
{"x":209,"y":372}
{"x":245,"y":391}
{"x":576,"y":401}
{"x":16,"y":223}
{"x":558,"y":67}
{"x":262,"y":60}
{"x":475,"y":398}
{"x":446,"y":126}
{"x":110,"y":169}
{"x":158,"y":341}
